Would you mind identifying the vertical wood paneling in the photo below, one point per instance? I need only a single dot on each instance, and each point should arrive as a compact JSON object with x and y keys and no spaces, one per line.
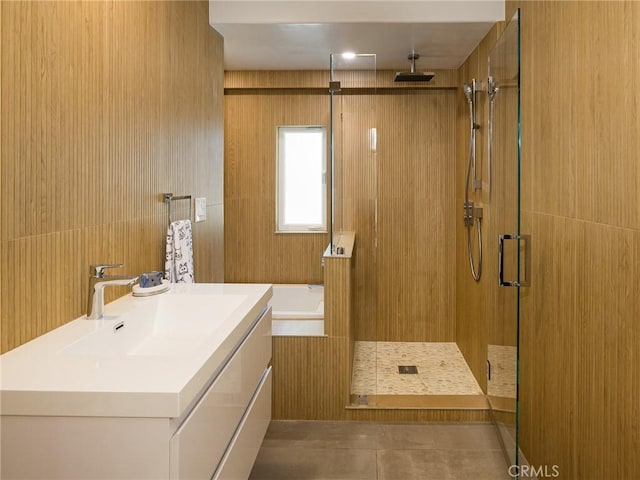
{"x":607,"y":162}
{"x":417,"y":415}
{"x":581,"y":367}
{"x":605,"y":327}
{"x":3,"y":244}
{"x":277,"y":79}
{"x":475,"y":301}
{"x":411,"y":176}
{"x":556,"y":99}
{"x":579,"y":344}
{"x":102,"y":111}
{"x":254,"y":252}
{"x":549,"y":325}
{"x":337,"y":296}
{"x":416,"y":242}
{"x":395,"y":199}
{"x":356,"y":180}
{"x":312,"y":375}
{"x":311,"y":378}
{"x":399,"y":200}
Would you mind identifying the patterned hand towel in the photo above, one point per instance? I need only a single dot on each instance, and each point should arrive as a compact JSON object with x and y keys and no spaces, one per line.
{"x":179,"y":260}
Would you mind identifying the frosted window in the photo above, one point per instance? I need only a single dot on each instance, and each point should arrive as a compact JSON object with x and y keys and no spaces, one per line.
{"x":301,"y":186}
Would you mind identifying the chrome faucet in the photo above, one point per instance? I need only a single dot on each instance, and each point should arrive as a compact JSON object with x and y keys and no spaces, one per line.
{"x":97,"y":281}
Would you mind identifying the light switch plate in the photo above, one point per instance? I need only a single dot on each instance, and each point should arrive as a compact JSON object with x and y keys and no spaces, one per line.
{"x":201,"y":209}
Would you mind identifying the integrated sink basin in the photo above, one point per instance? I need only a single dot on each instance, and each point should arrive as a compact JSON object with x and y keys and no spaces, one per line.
{"x":166,"y":326}
{"x":148,"y":356}
{"x":174,"y":386}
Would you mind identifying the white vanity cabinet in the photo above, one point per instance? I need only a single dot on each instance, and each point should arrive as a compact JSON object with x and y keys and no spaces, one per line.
{"x":208,"y":421}
{"x":199,"y":444}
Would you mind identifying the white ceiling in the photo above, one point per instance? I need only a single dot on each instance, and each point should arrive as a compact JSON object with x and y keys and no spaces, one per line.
{"x":301,"y":34}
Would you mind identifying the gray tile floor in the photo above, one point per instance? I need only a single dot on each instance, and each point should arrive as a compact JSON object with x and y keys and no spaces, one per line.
{"x":300,"y":450}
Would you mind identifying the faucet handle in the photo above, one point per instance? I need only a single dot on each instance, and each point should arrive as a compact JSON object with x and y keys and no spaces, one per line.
{"x":98,"y":270}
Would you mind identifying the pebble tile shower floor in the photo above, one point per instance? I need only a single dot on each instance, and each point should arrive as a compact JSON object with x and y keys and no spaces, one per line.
{"x":442,"y":369}
{"x":305,"y":450}
{"x":503,"y":371}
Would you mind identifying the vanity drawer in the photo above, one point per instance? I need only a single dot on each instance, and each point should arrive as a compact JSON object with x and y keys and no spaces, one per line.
{"x":199,"y":444}
{"x":243,"y":450}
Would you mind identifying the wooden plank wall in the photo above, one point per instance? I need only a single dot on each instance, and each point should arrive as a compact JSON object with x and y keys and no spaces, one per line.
{"x":476,"y":301}
{"x":253,"y":251}
{"x":580,"y":338}
{"x":416,"y":216}
{"x":2,"y":249}
{"x":356,"y":182}
{"x":580,"y":333}
{"x":404,"y":279}
{"x":311,"y":378}
{"x":312,"y":375}
{"x":105,"y":105}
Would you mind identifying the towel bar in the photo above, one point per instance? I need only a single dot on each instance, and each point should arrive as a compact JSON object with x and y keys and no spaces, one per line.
{"x":170,"y":198}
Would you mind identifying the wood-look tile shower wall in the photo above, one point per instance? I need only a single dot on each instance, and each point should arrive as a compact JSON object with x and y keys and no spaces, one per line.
{"x":579,"y":327}
{"x":105,"y":105}
{"x":253,"y":251}
{"x":580,"y":333}
{"x":404,"y":272}
{"x":416,"y":216}
{"x":476,"y":301}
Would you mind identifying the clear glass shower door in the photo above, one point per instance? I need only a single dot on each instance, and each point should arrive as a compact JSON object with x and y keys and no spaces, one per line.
{"x":353,"y":83}
{"x":512,"y":245}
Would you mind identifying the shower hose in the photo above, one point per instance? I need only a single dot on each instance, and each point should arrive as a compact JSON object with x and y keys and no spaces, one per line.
{"x":469,"y":209}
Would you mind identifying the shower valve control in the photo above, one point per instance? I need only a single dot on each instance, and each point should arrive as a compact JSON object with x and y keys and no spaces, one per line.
{"x":468,"y":214}
{"x":471,"y":212}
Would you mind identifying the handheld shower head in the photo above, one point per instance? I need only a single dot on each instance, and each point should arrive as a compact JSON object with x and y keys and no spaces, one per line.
{"x":468,"y":92}
{"x":492,"y":88}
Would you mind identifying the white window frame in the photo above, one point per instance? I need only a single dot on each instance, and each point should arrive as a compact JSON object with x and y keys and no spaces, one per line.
{"x":281,"y":227}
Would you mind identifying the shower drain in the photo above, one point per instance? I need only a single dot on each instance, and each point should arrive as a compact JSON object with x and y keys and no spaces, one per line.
{"x":407,"y":369}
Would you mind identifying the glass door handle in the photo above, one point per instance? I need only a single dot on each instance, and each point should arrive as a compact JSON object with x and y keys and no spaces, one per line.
{"x":526,"y":239}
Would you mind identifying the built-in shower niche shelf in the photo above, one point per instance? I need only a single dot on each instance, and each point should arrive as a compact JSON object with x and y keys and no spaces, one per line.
{"x":344,"y":243}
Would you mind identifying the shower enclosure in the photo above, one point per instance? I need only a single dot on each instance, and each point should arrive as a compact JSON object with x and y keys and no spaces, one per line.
{"x":503,"y":89}
{"x":394,"y":184}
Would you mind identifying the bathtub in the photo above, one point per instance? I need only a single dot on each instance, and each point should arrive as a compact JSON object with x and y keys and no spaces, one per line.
{"x":298,"y":310}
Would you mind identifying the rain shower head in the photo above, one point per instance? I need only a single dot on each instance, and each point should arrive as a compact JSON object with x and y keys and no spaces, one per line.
{"x":413,"y":76}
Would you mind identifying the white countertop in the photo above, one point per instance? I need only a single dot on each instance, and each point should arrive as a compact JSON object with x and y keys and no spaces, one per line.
{"x":154,"y":366}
